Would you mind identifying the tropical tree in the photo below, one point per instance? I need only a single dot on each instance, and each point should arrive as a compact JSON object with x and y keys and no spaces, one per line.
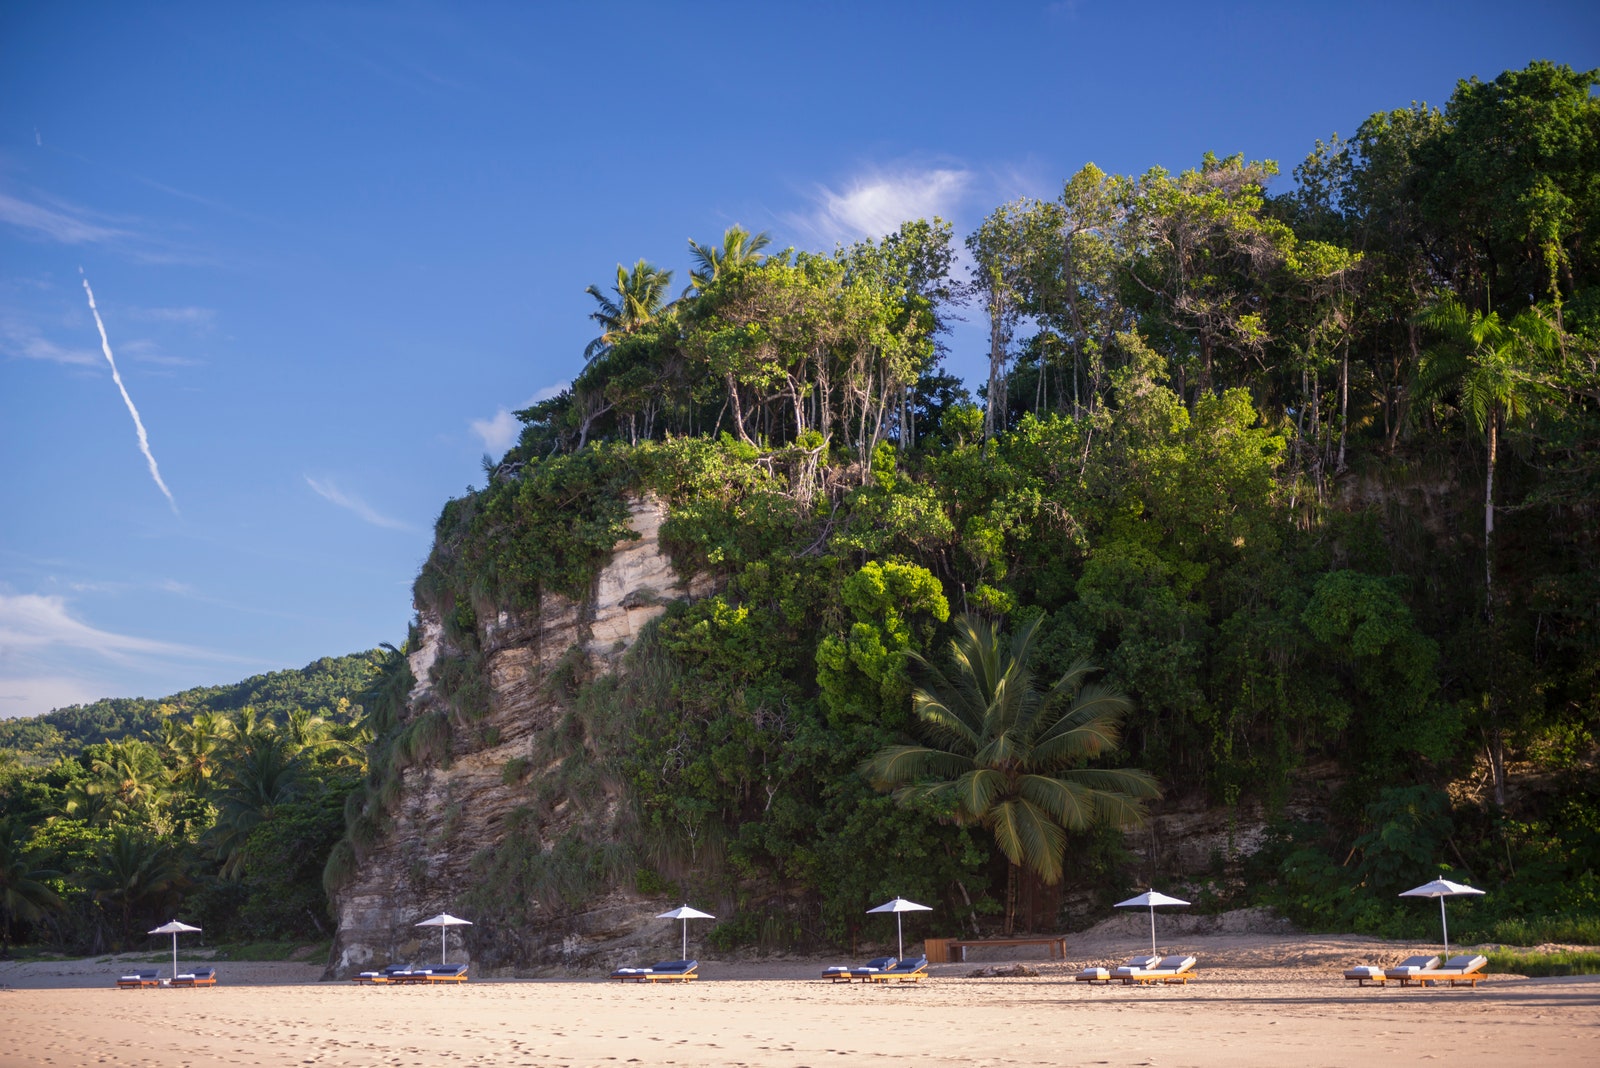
{"x":1010,"y":755}
{"x":739,"y":247}
{"x":636,"y":300}
{"x":24,"y":895}
{"x":261,"y":775}
{"x":133,"y":872}
{"x":1495,"y":369}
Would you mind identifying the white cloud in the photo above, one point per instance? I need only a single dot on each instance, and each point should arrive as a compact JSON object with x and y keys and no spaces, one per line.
{"x":497,"y":432}
{"x":23,"y":340}
{"x":35,"y":694}
{"x":64,"y":225}
{"x":877,"y":203}
{"x":331,"y":493}
{"x":199,"y":318}
{"x":500,"y":431}
{"x":33,"y":621}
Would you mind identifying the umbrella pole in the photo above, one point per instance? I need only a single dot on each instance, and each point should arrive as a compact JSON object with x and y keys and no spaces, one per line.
{"x":899,"y":934}
{"x":1445,"y":924}
{"x":174,"y":954}
{"x":1152,"y":930}
{"x":685,"y":939}
{"x":442,"y":961}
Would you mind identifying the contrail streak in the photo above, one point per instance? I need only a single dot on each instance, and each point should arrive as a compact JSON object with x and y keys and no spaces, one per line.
{"x":138,"y":424}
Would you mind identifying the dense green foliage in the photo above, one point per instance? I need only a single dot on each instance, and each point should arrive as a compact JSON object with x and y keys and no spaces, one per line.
{"x":1313,"y":475}
{"x":221,"y":801}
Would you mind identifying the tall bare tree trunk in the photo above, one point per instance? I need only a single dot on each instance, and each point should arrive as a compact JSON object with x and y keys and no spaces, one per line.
{"x":1497,"y":750}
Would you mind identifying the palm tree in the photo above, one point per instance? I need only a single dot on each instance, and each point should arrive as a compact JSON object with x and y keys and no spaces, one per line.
{"x":1494,"y":368}
{"x":739,"y":247}
{"x":134,"y":872}
{"x":23,"y":892}
{"x":131,"y":773}
{"x":264,"y":772}
{"x":194,"y":748}
{"x":638,"y":293}
{"x":1009,"y":755}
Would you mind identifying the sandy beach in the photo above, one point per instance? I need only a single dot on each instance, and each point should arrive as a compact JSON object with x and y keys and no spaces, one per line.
{"x":1258,"y":1000}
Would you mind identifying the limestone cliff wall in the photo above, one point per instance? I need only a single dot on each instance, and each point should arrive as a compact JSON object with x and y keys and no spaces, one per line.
{"x":447,"y":814}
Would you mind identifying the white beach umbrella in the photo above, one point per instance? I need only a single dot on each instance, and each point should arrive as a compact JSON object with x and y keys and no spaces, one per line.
{"x":441,"y":921}
{"x":1150,"y":899}
{"x":685,"y":913}
{"x":172,"y":929}
{"x":897,"y":906}
{"x":1441,"y":889}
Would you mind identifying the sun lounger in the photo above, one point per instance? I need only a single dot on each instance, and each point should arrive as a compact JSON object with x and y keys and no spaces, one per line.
{"x":667,"y":970}
{"x":670,"y":971}
{"x":1463,"y":969}
{"x":910,"y":970}
{"x":1174,"y":969}
{"x":1104,"y":975}
{"x":1401,"y":973}
{"x":447,"y":973}
{"x":138,"y":980}
{"x":387,"y":975}
{"x":841,"y":973}
{"x":198,"y":977}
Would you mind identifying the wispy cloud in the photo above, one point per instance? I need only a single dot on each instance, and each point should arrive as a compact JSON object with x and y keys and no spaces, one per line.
{"x":500,"y":431}
{"x":50,"y":658}
{"x":199,"y":318}
{"x":25,"y":341}
{"x":35,"y":621}
{"x":62,"y":223}
{"x":876,"y":203}
{"x":325,"y":489}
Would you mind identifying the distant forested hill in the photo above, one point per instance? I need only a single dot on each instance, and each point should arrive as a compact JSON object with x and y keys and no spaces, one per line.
{"x":328,"y":687}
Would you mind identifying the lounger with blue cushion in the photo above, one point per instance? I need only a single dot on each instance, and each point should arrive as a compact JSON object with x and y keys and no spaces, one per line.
{"x":1466,"y":968}
{"x":841,"y":973}
{"x":138,"y":980}
{"x":673,"y":971}
{"x":447,"y":973}
{"x":909,"y":970}
{"x":1401,"y":973}
{"x":389,"y":974}
{"x":1104,"y":975}
{"x":198,"y":977}
{"x":1174,"y":969}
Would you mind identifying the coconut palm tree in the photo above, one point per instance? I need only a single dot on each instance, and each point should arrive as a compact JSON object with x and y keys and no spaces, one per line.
{"x":194,"y":748}
{"x":638,"y":300}
{"x":134,"y":872}
{"x":263,"y":773}
{"x":1495,"y":369}
{"x":739,"y":247}
{"x":23,"y":893}
{"x":1008,"y":754}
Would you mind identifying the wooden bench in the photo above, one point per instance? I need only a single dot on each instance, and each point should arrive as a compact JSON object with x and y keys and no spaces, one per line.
{"x":945,"y":947}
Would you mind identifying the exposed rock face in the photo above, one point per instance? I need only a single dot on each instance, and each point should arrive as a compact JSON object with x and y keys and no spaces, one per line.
{"x":448,"y":814}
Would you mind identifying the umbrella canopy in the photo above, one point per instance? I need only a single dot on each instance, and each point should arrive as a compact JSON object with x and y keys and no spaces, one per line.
{"x":173,"y":928}
{"x":1150,"y":899}
{"x":1441,"y":889}
{"x":441,"y":921}
{"x":897,"y":906}
{"x":685,"y":913}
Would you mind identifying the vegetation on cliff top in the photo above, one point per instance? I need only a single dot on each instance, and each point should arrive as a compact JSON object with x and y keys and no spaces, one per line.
{"x":1312,"y":475}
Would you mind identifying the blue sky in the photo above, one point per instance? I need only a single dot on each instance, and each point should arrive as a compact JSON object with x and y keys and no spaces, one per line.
{"x":333,"y":245}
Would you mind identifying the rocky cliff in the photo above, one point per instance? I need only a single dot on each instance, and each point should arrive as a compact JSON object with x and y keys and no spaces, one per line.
{"x":454,"y":812}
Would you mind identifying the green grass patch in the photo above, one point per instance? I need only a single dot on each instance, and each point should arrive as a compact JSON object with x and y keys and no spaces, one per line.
{"x":1532,"y":962}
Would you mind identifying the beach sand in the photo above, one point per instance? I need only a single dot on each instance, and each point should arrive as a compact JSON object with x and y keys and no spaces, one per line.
{"x":1258,"y":1000}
